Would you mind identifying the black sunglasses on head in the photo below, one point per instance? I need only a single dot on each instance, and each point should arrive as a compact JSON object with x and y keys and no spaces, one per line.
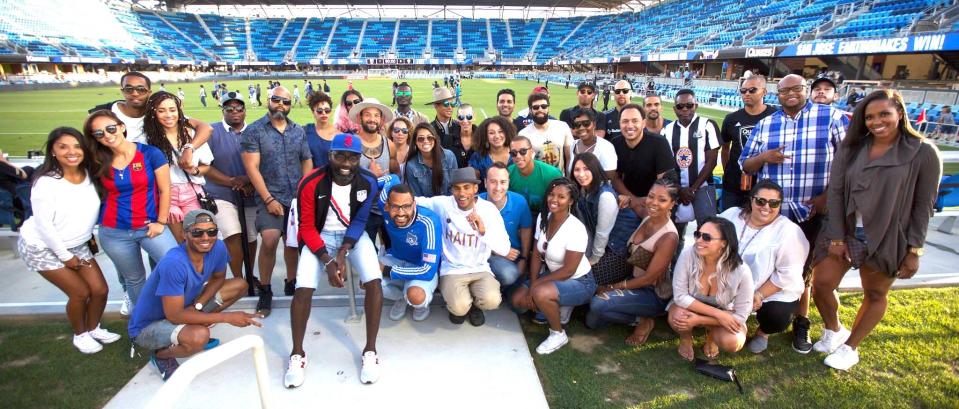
{"x":281,"y":100}
{"x":197,"y":233}
{"x":100,"y":133}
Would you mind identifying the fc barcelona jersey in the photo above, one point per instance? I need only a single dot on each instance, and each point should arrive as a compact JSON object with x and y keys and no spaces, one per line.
{"x":132,"y":198}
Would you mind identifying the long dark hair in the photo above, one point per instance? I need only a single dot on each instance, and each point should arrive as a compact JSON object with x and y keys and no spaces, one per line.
{"x":156,"y":135}
{"x":437,"y":155}
{"x":573,"y":197}
{"x":592,"y":163}
{"x":730,"y":259}
{"x":51,"y":167}
{"x":482,"y":145}
{"x":765,"y":184}
{"x":102,"y":155}
{"x":858,"y":133}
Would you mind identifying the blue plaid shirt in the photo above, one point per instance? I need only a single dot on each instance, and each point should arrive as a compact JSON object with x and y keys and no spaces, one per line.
{"x":811,"y":139}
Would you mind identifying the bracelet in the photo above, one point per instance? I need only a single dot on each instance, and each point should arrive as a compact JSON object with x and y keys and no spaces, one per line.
{"x":326,"y":264}
{"x":196,"y":171}
{"x":270,"y":199}
{"x":761,"y":296}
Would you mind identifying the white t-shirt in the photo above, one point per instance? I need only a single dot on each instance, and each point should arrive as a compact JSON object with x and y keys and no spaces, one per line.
{"x":776,"y":252}
{"x":571,"y":236}
{"x":338,"y":217}
{"x":549,"y":144}
{"x":201,"y":155}
{"x":63,"y":215}
{"x":604,"y":151}
{"x":708,"y":138}
{"x":135,"y":132}
{"x":464,"y":250}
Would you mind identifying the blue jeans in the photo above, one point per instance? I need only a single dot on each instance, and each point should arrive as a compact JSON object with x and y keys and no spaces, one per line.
{"x":572,"y":291}
{"x":626,"y":224}
{"x":396,"y":289}
{"x":123,"y":247}
{"x":624,"y":306}
{"x":506,"y":272}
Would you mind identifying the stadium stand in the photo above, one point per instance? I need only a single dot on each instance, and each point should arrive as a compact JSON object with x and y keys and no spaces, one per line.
{"x":113,"y":29}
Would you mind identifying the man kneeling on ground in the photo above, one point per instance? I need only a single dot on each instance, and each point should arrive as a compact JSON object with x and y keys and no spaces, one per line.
{"x":185,"y":295}
{"x":414,"y":253}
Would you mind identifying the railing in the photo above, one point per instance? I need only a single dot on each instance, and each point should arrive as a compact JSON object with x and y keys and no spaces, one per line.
{"x":171,"y":390}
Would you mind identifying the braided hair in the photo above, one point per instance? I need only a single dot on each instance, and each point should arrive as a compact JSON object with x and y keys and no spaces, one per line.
{"x":156,"y":134}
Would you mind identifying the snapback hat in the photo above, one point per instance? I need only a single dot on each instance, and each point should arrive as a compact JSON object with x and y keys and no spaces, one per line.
{"x":198,"y":216}
{"x":346,"y":142}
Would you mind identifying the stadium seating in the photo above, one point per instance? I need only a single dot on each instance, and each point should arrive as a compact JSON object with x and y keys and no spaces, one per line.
{"x":113,"y":29}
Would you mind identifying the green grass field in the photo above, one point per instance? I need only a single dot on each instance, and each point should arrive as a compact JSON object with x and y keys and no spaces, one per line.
{"x":26,"y":117}
{"x":909,"y":361}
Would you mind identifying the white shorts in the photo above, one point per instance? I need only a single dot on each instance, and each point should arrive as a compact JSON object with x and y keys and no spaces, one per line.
{"x":228,"y":220}
{"x":362,"y":258}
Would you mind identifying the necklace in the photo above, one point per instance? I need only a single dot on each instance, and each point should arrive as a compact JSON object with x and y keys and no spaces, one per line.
{"x":742,"y":250}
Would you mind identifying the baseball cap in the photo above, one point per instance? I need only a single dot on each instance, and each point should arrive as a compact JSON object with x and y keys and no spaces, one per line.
{"x":232,"y":96}
{"x":346,"y":142}
{"x":584,"y":85}
{"x":824,"y":79}
{"x":540,"y":90}
{"x":198,"y":216}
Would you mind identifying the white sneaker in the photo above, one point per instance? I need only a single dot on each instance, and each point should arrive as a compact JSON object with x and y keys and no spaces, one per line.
{"x":564,"y":313}
{"x":831,"y":340}
{"x":371,"y":367}
{"x":104,"y":336}
{"x":295,"y":372}
{"x":554,"y":341}
{"x":126,"y":306}
{"x":86,"y":344}
{"x":843,"y":358}
{"x":422,"y":313}
{"x":399,"y":309}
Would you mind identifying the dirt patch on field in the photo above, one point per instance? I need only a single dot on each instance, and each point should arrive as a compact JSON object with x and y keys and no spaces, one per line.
{"x":585,"y":343}
{"x":19,"y":363}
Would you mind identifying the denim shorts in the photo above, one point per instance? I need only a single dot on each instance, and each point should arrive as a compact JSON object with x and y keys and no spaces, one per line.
{"x":573,"y":292}
{"x":158,"y":335}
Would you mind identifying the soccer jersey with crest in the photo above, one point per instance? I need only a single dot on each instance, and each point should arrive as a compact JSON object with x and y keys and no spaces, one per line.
{"x":131,"y":193}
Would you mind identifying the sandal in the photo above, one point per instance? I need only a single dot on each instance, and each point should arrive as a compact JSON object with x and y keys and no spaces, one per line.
{"x":710,"y":349}
{"x":641,"y":333}
{"x":686,"y":349}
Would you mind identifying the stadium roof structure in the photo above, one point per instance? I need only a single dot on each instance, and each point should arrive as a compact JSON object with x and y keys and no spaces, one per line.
{"x":591,"y":4}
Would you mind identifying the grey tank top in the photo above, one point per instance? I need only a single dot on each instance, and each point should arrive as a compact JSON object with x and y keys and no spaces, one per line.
{"x":380,"y":154}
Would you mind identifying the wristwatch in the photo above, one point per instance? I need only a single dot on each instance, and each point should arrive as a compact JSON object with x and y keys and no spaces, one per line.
{"x":198,"y":306}
{"x":917,"y":251}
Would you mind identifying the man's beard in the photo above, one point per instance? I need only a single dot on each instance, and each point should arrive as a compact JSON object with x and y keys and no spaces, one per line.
{"x":277,"y":114}
{"x":653,"y":115}
{"x":374,"y":129}
{"x":541,"y":119}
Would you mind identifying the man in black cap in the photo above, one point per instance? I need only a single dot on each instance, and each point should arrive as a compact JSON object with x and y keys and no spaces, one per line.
{"x":824,"y":91}
{"x":585,"y":94}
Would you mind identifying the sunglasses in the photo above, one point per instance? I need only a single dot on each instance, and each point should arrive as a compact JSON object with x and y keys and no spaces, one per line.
{"x":586,"y":91}
{"x":521,"y":152}
{"x":404,"y":93}
{"x":750,"y":90}
{"x":281,"y":100}
{"x":100,"y":133}
{"x":445,"y":104}
{"x":705,"y":236}
{"x":622,"y":91}
{"x":323,"y":110}
{"x":199,"y":232}
{"x":773,"y":203}
{"x":466,"y":117}
{"x":582,"y":124}
{"x":135,"y":90}
{"x":346,"y":157}
{"x":233,"y":109}
{"x":688,"y":105}
{"x":423,"y":139}
{"x":538,"y":107}
{"x":795,"y":89}
{"x":349,"y":103}
{"x":404,"y":131}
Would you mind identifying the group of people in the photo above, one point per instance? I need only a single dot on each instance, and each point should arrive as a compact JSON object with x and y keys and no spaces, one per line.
{"x":538,"y":213}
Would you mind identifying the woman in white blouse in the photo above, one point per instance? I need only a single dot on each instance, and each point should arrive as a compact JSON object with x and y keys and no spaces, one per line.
{"x":712,"y":288}
{"x":168,"y":129}
{"x":567,"y":280}
{"x":55,"y":240}
{"x":775,"y":250}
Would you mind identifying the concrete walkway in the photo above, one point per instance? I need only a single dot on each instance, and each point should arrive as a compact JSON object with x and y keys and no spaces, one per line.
{"x":429,"y":364}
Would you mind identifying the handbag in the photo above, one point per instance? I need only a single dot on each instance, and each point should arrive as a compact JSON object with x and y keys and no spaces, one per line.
{"x":206,"y":202}
{"x":94,"y":247}
{"x":640,"y":258}
{"x":721,"y":372}
{"x":685,"y":213}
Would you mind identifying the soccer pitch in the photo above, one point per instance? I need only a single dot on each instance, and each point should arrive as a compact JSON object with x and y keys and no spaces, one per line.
{"x":26,"y":117}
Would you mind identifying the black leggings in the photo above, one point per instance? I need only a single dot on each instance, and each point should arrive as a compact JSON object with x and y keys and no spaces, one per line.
{"x":775,"y":316}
